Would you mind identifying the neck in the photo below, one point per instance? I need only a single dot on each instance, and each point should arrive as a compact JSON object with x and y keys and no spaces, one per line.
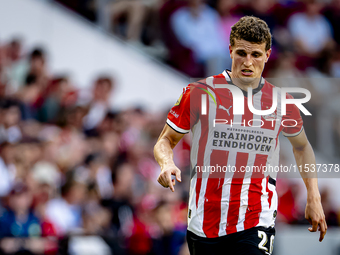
{"x":244,"y":86}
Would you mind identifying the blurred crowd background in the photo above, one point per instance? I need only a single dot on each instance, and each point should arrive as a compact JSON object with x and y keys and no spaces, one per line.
{"x":306,"y":33}
{"x":71,"y":166}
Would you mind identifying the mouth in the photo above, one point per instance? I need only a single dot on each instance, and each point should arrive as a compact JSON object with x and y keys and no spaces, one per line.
{"x":247,"y":72}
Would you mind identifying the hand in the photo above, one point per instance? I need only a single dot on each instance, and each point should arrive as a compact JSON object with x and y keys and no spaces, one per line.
{"x":316,"y":217}
{"x":164,"y":177}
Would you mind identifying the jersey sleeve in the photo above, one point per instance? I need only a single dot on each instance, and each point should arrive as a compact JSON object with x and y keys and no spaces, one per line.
{"x":181,"y":115}
{"x":292,"y":121}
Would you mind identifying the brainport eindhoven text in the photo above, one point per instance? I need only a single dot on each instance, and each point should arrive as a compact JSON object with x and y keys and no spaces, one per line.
{"x":242,"y":141}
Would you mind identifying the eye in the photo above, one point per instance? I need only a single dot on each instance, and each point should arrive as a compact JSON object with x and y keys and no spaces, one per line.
{"x":256,"y":55}
{"x":241,"y":53}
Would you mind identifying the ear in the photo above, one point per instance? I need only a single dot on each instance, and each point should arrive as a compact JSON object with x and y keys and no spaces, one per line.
{"x":268,"y":54}
{"x":230,"y":51}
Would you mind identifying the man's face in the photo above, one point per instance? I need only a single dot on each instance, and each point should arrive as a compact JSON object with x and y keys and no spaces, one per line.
{"x":248,"y":60}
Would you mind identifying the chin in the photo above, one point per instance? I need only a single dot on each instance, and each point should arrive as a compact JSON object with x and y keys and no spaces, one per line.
{"x":247,"y":80}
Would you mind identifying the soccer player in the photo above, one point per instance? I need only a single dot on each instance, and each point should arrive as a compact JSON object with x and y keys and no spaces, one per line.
{"x":233,"y":211}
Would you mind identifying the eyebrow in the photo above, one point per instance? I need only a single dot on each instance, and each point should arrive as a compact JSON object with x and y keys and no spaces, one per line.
{"x":258,"y":52}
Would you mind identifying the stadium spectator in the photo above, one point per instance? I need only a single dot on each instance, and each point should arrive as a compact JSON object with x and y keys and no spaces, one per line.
{"x":170,"y":236}
{"x":263,"y":9}
{"x":59,"y":94}
{"x":66,"y":212}
{"x":19,"y":220}
{"x":226,"y":9}
{"x":310,"y":44}
{"x":180,"y":56}
{"x":38,"y":66}
{"x":14,"y":51}
{"x":99,"y":104}
{"x":285,"y":73}
{"x":192,"y":26}
{"x":9,"y":121}
{"x":97,"y":173}
{"x":7,"y":168}
{"x":28,"y":96}
{"x":134,"y":11}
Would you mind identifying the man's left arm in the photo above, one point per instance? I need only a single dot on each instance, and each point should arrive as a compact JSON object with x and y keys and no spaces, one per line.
{"x":304,"y":154}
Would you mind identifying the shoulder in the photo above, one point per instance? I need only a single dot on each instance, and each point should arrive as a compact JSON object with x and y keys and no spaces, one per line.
{"x":206,"y":83}
{"x":267,"y":84}
{"x":194,"y":90}
{"x":268,"y":88}
{"x":203,"y":84}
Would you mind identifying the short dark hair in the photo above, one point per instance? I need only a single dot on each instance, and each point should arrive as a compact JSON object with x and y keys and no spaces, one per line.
{"x":251,"y":29}
{"x":107,"y":79}
{"x":37,"y":53}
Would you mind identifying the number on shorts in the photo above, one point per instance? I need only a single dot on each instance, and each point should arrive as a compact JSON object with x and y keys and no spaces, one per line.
{"x":264,"y":240}
{"x":263,"y":236}
{"x":271,"y":244}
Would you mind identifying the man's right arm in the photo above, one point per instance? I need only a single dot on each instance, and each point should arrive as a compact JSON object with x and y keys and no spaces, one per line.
{"x":164,"y":156}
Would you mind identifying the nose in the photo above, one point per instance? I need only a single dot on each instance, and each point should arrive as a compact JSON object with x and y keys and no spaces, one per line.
{"x":248,"y":61}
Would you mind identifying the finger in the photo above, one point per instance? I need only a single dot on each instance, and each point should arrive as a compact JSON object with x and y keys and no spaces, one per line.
{"x":169,"y":182}
{"x":178,"y":175}
{"x":310,"y":221}
{"x":314,"y":226}
{"x":161,"y":181}
{"x":323,"y":227}
{"x":172,"y":187}
{"x":164,"y":180}
{"x":173,"y":182}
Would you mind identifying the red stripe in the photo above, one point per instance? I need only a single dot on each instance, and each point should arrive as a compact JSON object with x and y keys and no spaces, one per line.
{"x":219,"y":79}
{"x":213,"y":194}
{"x":235,"y":193}
{"x":254,"y":209}
{"x":270,"y":193}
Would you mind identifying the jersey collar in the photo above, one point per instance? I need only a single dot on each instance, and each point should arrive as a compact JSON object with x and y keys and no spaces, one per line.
{"x":245,"y":93}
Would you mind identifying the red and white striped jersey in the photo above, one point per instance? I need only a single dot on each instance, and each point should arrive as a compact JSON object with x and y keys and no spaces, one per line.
{"x":225,"y":202}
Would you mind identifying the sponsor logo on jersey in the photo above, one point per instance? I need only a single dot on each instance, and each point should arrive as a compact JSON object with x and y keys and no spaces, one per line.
{"x":174,"y":113}
{"x":271,"y":116}
{"x":179,"y":100}
{"x":223,"y":108}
